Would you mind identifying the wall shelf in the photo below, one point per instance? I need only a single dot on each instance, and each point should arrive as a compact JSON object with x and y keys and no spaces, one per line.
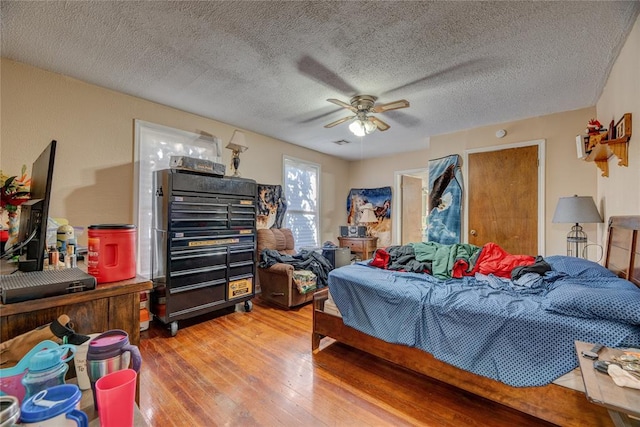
{"x":600,"y":149}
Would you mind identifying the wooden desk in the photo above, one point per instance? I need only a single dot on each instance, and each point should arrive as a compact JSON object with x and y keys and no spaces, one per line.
{"x":601,"y":390}
{"x":365,"y":246}
{"x":109,"y":306}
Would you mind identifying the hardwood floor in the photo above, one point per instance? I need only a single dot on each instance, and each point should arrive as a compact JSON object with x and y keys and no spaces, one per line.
{"x":257,"y":369}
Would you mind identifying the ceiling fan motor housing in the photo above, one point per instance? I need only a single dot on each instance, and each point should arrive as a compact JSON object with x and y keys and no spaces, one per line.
{"x":363,"y":102}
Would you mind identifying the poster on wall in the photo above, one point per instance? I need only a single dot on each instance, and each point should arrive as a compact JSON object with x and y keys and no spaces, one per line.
{"x":271,"y":206}
{"x":380,"y":198}
{"x":445,"y":200}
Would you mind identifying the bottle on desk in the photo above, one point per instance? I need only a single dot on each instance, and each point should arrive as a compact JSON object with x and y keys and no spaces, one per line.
{"x":70,"y":260}
{"x":54,"y":258}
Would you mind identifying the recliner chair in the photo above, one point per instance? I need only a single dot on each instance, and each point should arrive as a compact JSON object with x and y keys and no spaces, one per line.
{"x":276,"y":282}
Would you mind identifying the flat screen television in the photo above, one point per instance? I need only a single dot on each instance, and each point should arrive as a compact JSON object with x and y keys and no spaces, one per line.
{"x":34,"y":213}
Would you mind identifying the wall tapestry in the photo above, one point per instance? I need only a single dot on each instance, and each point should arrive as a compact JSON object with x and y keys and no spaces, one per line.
{"x":445,"y":200}
{"x":271,"y":206}
{"x":380,"y":198}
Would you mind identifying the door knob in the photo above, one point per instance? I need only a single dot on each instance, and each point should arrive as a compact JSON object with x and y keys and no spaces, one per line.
{"x":473,"y":232}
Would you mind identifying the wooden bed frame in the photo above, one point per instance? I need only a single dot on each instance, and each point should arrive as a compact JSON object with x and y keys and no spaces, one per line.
{"x":554,"y":403}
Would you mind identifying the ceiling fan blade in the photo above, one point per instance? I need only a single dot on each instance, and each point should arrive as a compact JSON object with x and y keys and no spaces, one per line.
{"x":450,"y":74}
{"x":343,"y":104}
{"x":316,"y":116}
{"x":396,"y":105}
{"x":318,"y":72}
{"x":382,"y":126}
{"x":337,"y":122}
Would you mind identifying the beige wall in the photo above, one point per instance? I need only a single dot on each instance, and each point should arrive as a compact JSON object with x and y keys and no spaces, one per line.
{"x":619,"y":194}
{"x":565,"y":173}
{"x":94,"y":127}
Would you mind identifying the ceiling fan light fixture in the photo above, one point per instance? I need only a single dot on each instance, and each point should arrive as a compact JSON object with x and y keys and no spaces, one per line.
{"x":357,"y":128}
{"x":369,"y":126}
{"x":362,"y":127}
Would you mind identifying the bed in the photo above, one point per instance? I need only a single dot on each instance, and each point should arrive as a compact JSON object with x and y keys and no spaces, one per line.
{"x":560,"y":401}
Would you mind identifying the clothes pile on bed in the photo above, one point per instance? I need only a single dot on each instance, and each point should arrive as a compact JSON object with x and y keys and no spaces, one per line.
{"x":520,"y":332}
{"x":456,"y":260}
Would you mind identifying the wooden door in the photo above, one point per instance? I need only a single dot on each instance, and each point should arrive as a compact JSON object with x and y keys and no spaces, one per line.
{"x":411,"y":209}
{"x":503,"y":199}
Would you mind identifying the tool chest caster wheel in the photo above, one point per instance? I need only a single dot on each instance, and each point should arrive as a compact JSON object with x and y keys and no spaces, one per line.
{"x":173,"y":327}
{"x":248,"y":306}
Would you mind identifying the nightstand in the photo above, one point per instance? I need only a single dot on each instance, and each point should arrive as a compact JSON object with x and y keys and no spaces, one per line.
{"x":365,"y":246}
{"x":621,"y":402}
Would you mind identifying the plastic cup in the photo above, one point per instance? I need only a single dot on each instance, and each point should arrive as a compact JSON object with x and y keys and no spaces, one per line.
{"x":80,"y":361}
{"x":115,"y":396}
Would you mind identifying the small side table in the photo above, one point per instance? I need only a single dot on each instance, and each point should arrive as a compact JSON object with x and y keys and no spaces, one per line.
{"x":365,"y":246}
{"x":621,"y":402}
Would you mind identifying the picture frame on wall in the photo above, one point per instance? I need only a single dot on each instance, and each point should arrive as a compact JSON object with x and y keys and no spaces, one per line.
{"x":612,"y":131}
{"x":581,"y":146}
{"x":623,"y":127}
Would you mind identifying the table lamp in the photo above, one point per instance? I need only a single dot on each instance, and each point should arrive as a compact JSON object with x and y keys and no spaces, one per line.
{"x":576,"y":210}
{"x":237,"y":145}
{"x":367,"y":217}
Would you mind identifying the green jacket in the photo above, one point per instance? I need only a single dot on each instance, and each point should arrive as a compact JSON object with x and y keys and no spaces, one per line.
{"x":444,"y":258}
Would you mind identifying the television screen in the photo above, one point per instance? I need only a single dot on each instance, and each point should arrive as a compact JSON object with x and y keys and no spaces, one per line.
{"x":34,"y":213}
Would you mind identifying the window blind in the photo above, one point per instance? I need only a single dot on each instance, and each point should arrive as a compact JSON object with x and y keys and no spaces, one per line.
{"x":301,"y":186}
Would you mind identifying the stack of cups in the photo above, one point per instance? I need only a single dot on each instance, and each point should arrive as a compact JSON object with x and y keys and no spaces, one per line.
{"x":81,"y":363}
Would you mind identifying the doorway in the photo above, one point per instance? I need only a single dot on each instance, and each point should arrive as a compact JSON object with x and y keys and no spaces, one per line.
{"x":505,"y":197}
{"x":410,"y":206}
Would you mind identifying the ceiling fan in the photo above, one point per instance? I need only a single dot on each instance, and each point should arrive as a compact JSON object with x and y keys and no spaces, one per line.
{"x":363,"y":106}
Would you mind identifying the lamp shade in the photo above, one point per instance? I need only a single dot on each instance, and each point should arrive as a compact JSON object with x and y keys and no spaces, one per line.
{"x":576,"y":209}
{"x":238,"y":142}
{"x":367,"y":215}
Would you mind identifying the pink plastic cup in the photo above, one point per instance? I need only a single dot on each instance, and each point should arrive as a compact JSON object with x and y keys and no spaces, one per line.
{"x":115,"y":395}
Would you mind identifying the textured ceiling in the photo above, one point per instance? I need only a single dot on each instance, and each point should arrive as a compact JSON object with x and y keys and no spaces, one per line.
{"x":270,"y":66}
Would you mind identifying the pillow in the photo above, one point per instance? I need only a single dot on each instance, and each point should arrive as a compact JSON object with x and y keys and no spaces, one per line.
{"x":266,"y":239}
{"x":578,"y":267}
{"x":620,"y":304}
{"x":289,"y":242}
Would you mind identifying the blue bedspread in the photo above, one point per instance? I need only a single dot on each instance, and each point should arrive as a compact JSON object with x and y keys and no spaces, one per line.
{"x":520,"y":333}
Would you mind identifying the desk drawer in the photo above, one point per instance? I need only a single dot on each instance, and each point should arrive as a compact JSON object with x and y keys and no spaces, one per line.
{"x":355,"y":246}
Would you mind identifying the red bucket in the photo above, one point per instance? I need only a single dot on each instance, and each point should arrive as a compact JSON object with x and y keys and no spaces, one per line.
{"x":112,"y":252}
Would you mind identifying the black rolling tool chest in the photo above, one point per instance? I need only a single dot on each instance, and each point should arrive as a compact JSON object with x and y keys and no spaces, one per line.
{"x":203,"y":244}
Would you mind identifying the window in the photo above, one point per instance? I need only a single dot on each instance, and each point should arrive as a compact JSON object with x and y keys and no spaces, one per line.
{"x":301,"y":189}
{"x":154,"y":146}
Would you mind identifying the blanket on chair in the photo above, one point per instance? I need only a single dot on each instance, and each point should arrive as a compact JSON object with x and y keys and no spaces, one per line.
{"x":303,"y":260}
